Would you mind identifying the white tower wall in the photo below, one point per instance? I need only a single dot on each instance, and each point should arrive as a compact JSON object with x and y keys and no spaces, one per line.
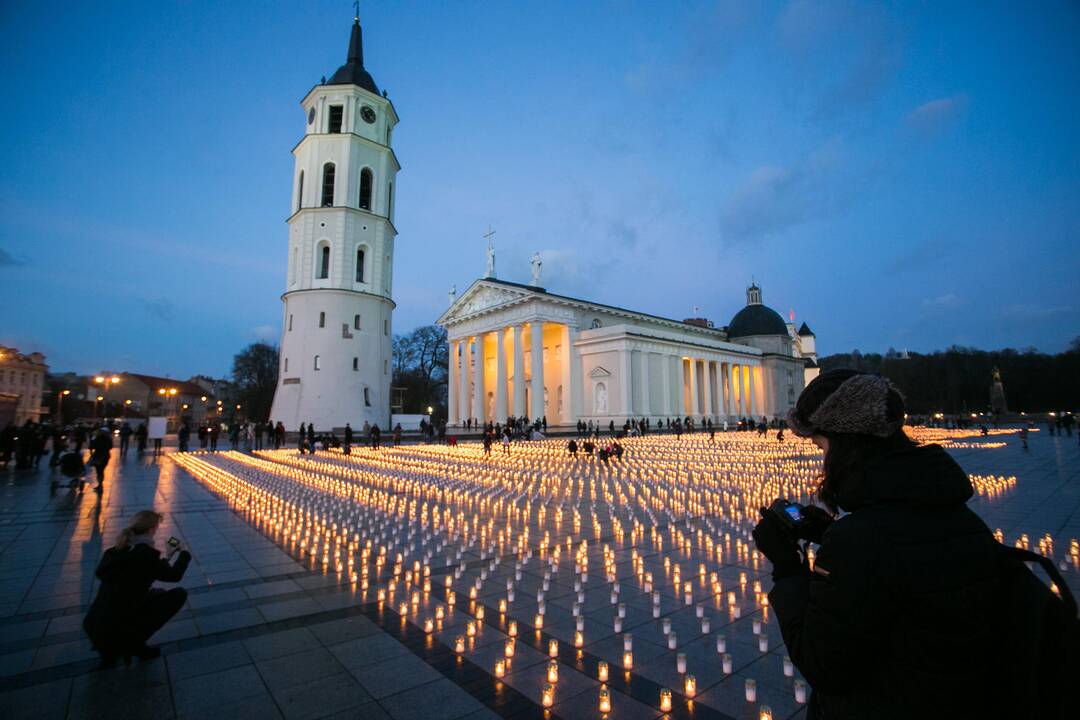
{"x":336,"y":330}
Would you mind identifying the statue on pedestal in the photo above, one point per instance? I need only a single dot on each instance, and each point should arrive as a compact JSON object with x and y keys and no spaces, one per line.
{"x":997,"y":394}
{"x":537,"y":266}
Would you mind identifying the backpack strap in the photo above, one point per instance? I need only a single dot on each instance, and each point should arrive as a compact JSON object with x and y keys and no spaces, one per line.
{"x":1048,"y":565}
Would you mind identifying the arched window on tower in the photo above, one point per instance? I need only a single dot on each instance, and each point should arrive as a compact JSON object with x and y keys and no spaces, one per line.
{"x":366,"y":181}
{"x":328,"y":185}
{"x":295,"y":265}
{"x":389,"y":200}
{"x":300,"y":191}
{"x":360,"y":265}
{"x":318,"y":364}
{"x":324,"y":262}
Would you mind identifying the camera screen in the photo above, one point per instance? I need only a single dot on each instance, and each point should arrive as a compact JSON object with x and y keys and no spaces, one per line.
{"x":173,"y":541}
{"x":794,"y":512}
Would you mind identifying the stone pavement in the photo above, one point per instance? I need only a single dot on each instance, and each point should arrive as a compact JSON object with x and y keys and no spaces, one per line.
{"x":266,"y":636}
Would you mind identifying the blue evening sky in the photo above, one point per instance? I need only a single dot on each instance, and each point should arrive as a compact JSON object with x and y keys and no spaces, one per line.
{"x":899,"y":174}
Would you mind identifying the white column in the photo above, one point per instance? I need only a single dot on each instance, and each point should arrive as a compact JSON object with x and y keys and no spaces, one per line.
{"x":680,"y":378}
{"x":452,"y":391}
{"x":692,"y":368}
{"x":736,"y":389}
{"x":707,"y":377}
{"x":665,"y":372}
{"x":675,"y":370}
{"x":753,"y":405}
{"x":500,"y":377}
{"x":519,"y":372}
{"x":463,"y":380}
{"x":728,"y":405}
{"x":478,"y":380}
{"x":536,"y":330}
{"x":646,"y":383}
{"x":625,"y":378}
{"x":566,"y":369}
{"x":577,"y":384}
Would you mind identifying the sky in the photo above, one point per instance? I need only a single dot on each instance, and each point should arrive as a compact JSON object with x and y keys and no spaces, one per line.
{"x":899,"y":175}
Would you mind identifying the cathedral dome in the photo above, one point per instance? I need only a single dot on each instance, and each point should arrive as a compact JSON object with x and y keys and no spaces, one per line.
{"x":755,"y":318}
{"x":353,"y":72}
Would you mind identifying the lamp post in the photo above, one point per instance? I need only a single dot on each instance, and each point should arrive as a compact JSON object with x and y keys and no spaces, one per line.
{"x":60,"y":403}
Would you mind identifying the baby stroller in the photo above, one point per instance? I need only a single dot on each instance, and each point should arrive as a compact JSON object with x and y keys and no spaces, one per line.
{"x":72,"y":467}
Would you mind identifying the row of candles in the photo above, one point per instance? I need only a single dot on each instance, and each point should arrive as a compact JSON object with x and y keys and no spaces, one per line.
{"x":378,"y":524}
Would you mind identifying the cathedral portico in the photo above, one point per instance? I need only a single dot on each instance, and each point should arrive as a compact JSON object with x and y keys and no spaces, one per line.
{"x":518,"y":350}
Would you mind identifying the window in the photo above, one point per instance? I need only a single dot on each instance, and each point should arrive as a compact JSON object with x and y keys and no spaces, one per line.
{"x":322,"y":319}
{"x":385,"y":327}
{"x":389,"y":199}
{"x":388,"y":131}
{"x":290,"y":322}
{"x":366,"y":179}
{"x":324,"y":262}
{"x":336,"y":112}
{"x":360,"y":265}
{"x":356,"y":322}
{"x":367,"y":397}
{"x":295,"y":264}
{"x":318,"y":365}
{"x":286,"y":364}
{"x":356,"y":363}
{"x":300,"y":191}
{"x":385,"y":367}
{"x":328,"y":185}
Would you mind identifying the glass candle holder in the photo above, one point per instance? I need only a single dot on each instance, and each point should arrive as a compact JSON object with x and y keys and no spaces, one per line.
{"x":508,"y":648}
{"x":511,"y":628}
{"x":680,"y":663}
{"x":605,"y":700}
{"x":765,"y":713}
{"x":726,"y":663}
{"x":548,"y":698}
{"x":459,"y":644}
{"x":602,"y":671}
{"x":628,"y":660}
{"x":763,"y":643}
{"x":690,"y":686}
{"x":800,"y":692}
{"x":665,"y":700}
{"x":672,"y":640}
{"x":553,"y":648}
{"x":553,"y":672}
{"x":751,"y":690}
{"x":789,"y":667}
{"x":500,"y":668}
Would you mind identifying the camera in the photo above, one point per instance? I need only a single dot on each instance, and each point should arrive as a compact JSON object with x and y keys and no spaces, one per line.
{"x":792,"y":517}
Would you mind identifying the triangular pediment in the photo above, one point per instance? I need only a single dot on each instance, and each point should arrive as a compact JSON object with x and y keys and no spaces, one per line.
{"x":481,"y":296}
{"x":599,"y":372}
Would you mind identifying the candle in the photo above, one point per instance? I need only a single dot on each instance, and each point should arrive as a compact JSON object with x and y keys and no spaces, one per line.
{"x":470,"y":628}
{"x":628,"y":660}
{"x":667,"y":625}
{"x":549,"y":696}
{"x":706,"y":625}
{"x":602,"y":671}
{"x":605,"y":699}
{"x":553,"y":648}
{"x":763,"y":643}
{"x":429,"y":626}
{"x":511,"y":628}
{"x":765,"y":713}
{"x":721,"y":642}
{"x":508,"y":648}
{"x":800,"y":692}
{"x":757,"y":626}
{"x":672,"y":640}
{"x":579,"y":622}
{"x":579,"y":639}
{"x":789,"y":667}
{"x":538,"y":621}
{"x":665,"y":700}
{"x":725,"y":663}
{"x":480,"y":613}
{"x":690,"y":686}
{"x":553,"y":672}
{"x":751,"y":690}
{"x":500,"y":668}
{"x":680,"y":663}
{"x":618,"y":624}
{"x":459,"y":644}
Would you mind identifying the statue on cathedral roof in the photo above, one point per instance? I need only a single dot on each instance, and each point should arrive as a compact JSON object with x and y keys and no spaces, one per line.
{"x":537,"y":265}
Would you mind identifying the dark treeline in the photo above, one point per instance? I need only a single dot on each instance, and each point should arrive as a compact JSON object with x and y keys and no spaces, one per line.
{"x":959,"y":379}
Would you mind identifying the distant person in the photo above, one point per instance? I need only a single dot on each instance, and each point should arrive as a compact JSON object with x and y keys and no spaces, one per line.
{"x":347,"y":447}
{"x":311,"y":437}
{"x":397,"y":434}
{"x":100,"y":450}
{"x":125,"y":438}
{"x":127,"y":609}
{"x":571,"y":447}
{"x":899,"y":617}
{"x":140,"y":438}
{"x":183,"y":437}
{"x":215,"y":432}
{"x":375,"y":434}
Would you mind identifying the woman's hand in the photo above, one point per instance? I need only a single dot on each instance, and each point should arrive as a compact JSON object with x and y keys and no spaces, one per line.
{"x":775,"y":544}
{"x":817,"y":521}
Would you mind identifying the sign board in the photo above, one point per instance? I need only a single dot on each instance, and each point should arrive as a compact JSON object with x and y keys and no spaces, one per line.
{"x":155,"y":428}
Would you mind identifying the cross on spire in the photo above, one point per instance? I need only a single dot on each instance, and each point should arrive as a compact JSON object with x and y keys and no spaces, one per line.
{"x":356,"y":6}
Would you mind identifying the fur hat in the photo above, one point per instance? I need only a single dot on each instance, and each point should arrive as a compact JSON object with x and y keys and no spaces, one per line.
{"x":845,"y":401}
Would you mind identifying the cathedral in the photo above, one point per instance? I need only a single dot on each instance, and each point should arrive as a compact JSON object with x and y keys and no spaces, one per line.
{"x":515,"y":349}
{"x":520,"y":350}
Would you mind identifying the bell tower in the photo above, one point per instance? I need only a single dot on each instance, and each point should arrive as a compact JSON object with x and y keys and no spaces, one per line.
{"x":337,"y":330}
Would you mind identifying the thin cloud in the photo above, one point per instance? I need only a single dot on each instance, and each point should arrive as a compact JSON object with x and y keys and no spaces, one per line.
{"x":9,"y":260}
{"x":936,"y":115}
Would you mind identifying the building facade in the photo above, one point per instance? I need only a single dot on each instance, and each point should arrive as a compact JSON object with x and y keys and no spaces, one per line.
{"x":22,"y":386}
{"x":520,"y":350}
{"x":336,"y":341}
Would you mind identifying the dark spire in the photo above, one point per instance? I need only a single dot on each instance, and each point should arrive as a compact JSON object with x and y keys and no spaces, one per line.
{"x":353,"y":72}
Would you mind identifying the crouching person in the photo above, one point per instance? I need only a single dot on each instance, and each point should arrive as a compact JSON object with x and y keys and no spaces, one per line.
{"x":127,"y":610}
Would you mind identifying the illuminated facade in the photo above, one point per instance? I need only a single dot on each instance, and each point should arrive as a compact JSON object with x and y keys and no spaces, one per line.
{"x":566,"y":359}
{"x":336,"y":328}
{"x":22,"y":384}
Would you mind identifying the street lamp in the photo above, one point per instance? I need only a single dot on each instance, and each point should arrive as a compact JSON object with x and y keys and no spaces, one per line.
{"x":60,"y":403}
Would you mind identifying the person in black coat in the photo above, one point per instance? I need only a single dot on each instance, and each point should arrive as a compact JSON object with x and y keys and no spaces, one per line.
{"x":127,"y":610}
{"x":100,"y":451}
{"x":900,"y":615}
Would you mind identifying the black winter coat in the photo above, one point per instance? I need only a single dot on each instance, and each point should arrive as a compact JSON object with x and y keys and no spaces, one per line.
{"x":902,"y":614}
{"x":126,"y":577}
